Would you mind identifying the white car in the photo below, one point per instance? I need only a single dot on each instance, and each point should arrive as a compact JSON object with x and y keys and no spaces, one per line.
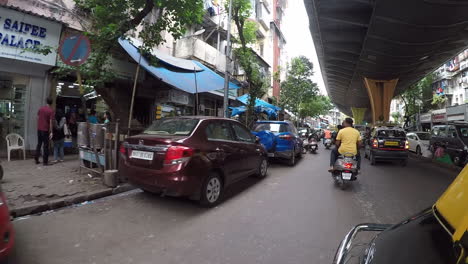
{"x":419,"y":142}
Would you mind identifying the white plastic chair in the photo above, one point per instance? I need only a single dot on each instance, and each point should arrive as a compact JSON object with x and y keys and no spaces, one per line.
{"x":13,"y":143}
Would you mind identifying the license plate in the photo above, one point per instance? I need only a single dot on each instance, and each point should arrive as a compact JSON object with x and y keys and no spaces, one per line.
{"x":392,"y":143}
{"x":271,"y":155}
{"x":144,"y":155}
{"x":346,"y":175}
{"x":314,"y":147}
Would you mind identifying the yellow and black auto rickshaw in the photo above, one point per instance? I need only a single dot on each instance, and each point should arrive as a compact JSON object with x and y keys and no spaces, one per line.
{"x":437,"y":235}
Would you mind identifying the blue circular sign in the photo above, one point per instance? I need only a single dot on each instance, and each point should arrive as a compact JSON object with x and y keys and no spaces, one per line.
{"x":75,"y":50}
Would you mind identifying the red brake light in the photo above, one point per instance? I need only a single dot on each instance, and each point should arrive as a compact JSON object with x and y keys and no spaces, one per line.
{"x":286,"y":137}
{"x":348,"y":165}
{"x":177,"y":154}
{"x":375,"y":143}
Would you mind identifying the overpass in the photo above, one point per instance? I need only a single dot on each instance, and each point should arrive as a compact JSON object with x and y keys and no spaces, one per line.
{"x":371,"y":50}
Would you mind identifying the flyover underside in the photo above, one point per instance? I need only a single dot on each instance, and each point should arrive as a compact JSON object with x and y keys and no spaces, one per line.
{"x":383,"y":40}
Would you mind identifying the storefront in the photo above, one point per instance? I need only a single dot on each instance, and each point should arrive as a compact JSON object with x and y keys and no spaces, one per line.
{"x":456,"y":113}
{"x":24,"y":82}
{"x":425,"y":121}
{"x":439,"y":116}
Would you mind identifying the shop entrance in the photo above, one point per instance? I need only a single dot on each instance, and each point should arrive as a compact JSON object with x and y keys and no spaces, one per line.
{"x":13,"y":89}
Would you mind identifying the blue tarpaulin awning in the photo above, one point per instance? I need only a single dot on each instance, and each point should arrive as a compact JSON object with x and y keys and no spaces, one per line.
{"x":179,"y":77}
{"x":258,"y":102}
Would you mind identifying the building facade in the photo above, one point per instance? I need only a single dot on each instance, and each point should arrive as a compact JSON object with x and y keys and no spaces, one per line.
{"x":24,"y":78}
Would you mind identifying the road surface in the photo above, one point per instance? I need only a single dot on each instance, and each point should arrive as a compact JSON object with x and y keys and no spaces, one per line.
{"x":295,"y":215}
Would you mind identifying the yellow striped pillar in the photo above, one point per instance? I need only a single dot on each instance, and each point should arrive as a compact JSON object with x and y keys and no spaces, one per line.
{"x":380,"y":95}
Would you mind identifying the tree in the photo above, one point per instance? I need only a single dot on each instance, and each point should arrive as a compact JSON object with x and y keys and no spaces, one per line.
{"x":246,"y":35}
{"x":298,"y":88}
{"x":418,"y":96}
{"x":315,"y":106}
{"x":396,"y":116}
{"x":108,"y":21}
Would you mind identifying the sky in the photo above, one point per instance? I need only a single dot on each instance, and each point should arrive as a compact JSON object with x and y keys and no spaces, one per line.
{"x":295,"y":27}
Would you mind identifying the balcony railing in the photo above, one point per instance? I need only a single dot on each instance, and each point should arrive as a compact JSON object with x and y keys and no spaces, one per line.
{"x":197,"y":49}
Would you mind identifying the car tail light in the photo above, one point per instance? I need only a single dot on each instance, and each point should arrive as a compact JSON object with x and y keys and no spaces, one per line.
{"x":177,"y":154}
{"x":348,"y":165}
{"x":286,"y":137}
{"x":375,"y":143}
{"x":406,"y":144}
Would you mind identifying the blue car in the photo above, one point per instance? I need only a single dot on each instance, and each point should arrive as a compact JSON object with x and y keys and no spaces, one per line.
{"x":280,"y":139}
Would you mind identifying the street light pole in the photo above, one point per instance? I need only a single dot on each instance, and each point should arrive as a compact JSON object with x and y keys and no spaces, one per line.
{"x":226,"y":75}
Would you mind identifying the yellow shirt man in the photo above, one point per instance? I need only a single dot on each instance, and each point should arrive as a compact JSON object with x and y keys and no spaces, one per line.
{"x":348,"y":137}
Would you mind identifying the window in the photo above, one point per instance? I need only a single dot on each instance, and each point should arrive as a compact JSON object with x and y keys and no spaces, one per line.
{"x":391,"y":133}
{"x":172,"y":126}
{"x":261,"y":49}
{"x":464,"y":132}
{"x":424,"y":136}
{"x":219,"y":131}
{"x":452,"y":132}
{"x":410,"y":136}
{"x":242,"y":134}
{"x":273,"y":127}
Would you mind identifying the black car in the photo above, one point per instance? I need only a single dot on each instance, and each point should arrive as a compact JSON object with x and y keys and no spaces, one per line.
{"x":387,"y":143}
{"x":454,"y":138}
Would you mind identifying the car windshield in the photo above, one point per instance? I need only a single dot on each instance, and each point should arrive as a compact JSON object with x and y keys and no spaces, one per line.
{"x":390,"y":133}
{"x":424,"y":136}
{"x":172,"y":127}
{"x":273,"y":127}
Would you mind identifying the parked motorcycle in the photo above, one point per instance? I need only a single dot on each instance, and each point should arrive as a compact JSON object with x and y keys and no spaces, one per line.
{"x":345,"y":170}
{"x":328,"y":143}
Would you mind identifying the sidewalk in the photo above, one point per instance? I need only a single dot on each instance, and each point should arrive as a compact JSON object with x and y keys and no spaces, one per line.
{"x":32,"y":188}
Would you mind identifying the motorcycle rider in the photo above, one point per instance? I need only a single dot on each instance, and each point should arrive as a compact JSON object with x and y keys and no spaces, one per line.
{"x":347,"y":141}
{"x":327,"y":135}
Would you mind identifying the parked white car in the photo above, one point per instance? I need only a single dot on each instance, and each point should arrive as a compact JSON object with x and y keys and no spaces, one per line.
{"x":419,"y":142}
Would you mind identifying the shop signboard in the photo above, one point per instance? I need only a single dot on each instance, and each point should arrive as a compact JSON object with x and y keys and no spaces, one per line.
{"x":439,"y":116}
{"x":425,"y":118}
{"x":20,"y":33}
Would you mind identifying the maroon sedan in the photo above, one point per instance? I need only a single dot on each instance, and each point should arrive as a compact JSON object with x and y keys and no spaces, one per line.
{"x":195,"y":156}
{"x":6,"y":229}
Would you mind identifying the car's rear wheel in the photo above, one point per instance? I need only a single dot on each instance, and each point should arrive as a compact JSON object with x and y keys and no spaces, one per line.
{"x":292,"y":159}
{"x":418,"y":151}
{"x":211,"y":191}
{"x":262,"y":168}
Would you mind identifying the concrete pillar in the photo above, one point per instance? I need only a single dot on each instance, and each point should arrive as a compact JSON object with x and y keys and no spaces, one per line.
{"x":380,"y":95}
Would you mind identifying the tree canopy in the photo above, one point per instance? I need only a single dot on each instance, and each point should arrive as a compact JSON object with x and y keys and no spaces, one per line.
{"x":298,"y":88}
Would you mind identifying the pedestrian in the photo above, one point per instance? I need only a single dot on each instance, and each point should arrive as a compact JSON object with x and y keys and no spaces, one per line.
{"x":45,"y":117}
{"x":107,"y":117}
{"x":59,"y":125}
{"x":92,"y":117}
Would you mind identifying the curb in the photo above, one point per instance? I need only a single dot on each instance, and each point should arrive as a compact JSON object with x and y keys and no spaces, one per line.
{"x":68,"y":200}
{"x":444,"y":165}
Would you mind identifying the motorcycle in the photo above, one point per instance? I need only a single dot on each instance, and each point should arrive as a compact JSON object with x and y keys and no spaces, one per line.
{"x":345,"y":170}
{"x":327,"y":143}
{"x":313,"y":146}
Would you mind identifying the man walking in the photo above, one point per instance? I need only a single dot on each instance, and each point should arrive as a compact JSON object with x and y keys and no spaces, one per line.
{"x":44,"y":131}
